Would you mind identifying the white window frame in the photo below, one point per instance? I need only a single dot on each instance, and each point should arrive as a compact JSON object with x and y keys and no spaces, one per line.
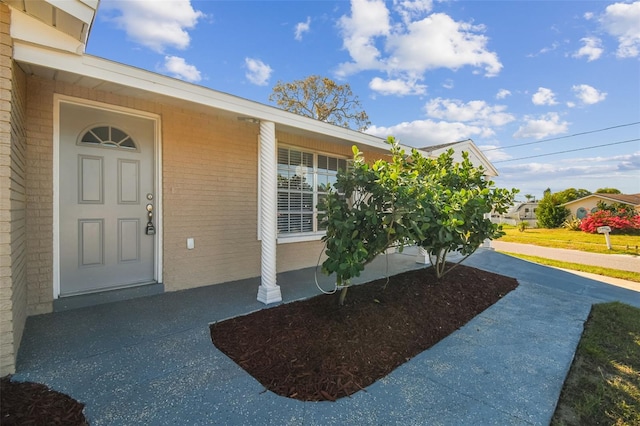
{"x":316,"y":234}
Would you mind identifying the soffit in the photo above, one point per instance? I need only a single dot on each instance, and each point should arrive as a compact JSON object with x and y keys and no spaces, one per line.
{"x":71,"y":17}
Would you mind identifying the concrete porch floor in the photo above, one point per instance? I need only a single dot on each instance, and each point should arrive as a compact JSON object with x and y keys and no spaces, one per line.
{"x":150,"y":360}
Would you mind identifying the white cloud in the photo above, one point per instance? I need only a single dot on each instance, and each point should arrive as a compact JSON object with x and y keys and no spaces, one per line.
{"x":412,"y":9}
{"x":368,"y":20}
{"x":423,"y":133}
{"x":544,"y":50}
{"x":588,"y":95}
{"x":623,"y":161}
{"x":474,"y":112}
{"x":397,"y":87}
{"x":592,"y":49}
{"x":407,"y":49}
{"x":621,"y":20}
{"x":619,"y":170}
{"x":544,"y":96}
{"x":155,"y":24}
{"x":588,"y":16}
{"x":258,"y":72}
{"x":494,"y":153}
{"x":629,"y":162}
{"x":456,"y":120}
{"x":302,"y":27}
{"x":538,"y":128}
{"x":178,"y":68}
{"x":503,"y":93}
{"x":448,"y":84}
{"x":438,"y":41}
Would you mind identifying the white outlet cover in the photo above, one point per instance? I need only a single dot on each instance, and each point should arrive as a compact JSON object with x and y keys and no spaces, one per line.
{"x":190,"y":243}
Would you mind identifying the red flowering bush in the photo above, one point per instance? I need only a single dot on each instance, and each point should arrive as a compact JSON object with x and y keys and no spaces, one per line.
{"x":619,"y":222}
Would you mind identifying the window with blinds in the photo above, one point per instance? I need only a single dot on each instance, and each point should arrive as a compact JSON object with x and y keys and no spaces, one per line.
{"x":303,"y":179}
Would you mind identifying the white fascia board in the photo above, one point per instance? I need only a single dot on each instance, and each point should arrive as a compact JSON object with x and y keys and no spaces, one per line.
{"x":470,"y":146}
{"x":488,"y":165}
{"x":113,"y":72}
{"x":77,"y":8}
{"x":28,"y":29}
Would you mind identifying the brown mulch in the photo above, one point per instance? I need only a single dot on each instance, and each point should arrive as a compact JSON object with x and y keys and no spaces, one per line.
{"x":27,"y":403}
{"x":315,"y":350}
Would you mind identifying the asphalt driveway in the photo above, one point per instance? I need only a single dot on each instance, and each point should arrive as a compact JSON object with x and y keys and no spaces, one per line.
{"x":150,"y":361}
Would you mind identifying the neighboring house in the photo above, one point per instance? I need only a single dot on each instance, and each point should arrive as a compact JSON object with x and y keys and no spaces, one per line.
{"x":117,"y":179}
{"x":525,"y":211}
{"x":476,"y":156}
{"x":589,"y":204}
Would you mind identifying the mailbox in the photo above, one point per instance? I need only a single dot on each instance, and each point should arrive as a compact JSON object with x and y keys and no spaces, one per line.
{"x":605,"y":230}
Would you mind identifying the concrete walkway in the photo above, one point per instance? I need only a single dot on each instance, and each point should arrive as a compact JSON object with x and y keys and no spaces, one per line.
{"x":614,"y":261}
{"x":150,"y":361}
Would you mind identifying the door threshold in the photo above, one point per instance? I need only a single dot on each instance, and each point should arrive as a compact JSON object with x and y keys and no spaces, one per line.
{"x":108,"y":296}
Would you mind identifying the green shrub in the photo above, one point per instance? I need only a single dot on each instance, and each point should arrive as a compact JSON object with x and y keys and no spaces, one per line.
{"x":437,"y":204}
{"x":572,"y":224}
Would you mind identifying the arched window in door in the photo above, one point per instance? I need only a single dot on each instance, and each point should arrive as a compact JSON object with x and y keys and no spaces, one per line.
{"x":107,"y":137}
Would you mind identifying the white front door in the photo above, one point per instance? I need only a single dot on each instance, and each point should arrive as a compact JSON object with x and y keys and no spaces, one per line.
{"x":106,"y":187}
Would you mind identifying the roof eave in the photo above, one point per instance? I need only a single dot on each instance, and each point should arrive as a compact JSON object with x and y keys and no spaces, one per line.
{"x":113,"y":72}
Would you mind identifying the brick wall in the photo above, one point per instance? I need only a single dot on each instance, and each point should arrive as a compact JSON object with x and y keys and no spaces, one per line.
{"x":39,"y":196}
{"x":210,"y":194}
{"x":13,"y":291}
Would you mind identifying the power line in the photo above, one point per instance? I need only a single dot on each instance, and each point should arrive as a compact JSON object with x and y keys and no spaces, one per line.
{"x":569,"y":150}
{"x":564,"y":137}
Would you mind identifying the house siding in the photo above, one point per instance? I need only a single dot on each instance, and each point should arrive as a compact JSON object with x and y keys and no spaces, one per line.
{"x":587,"y":204}
{"x":292,"y":256}
{"x":590,"y":203}
{"x":13,"y":283}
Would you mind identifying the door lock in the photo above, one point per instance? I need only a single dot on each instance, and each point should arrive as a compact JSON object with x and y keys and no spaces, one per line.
{"x":150,"y":229}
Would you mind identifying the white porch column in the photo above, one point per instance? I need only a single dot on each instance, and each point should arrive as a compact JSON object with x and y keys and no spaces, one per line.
{"x":269,"y":291}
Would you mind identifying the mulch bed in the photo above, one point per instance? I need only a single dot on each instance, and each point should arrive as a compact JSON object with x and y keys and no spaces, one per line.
{"x":315,"y":350}
{"x":26,"y":403}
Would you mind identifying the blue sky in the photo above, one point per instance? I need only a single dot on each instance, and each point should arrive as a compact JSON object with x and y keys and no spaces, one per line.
{"x":548,"y":76}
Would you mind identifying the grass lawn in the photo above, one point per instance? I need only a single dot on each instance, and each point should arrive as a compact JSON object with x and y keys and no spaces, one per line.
{"x":573,"y":240}
{"x":603,"y":384}
{"x":607,"y":272}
